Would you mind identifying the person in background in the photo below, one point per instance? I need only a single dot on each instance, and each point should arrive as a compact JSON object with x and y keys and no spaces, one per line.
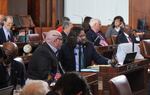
{"x":35,"y":87}
{"x":12,"y":72}
{"x":116,"y":27}
{"x":5,"y":32}
{"x":95,"y":35}
{"x":44,"y":63}
{"x":71,"y":83}
{"x":85,"y":23}
{"x":67,"y":25}
{"x":78,"y":52}
{"x":60,"y":28}
{"x":1,"y":20}
{"x":124,"y":36}
{"x":136,"y":36}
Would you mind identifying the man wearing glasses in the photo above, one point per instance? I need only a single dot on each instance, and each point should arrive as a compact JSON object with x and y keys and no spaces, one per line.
{"x":44,"y":62}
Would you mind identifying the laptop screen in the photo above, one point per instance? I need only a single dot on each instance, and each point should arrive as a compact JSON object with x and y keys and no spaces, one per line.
{"x":130,"y":57}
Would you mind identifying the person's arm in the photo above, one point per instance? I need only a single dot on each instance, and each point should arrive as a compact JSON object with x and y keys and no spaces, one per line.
{"x":98,"y":58}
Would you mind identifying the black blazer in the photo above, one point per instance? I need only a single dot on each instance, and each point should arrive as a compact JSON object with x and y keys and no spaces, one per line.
{"x":67,"y":56}
{"x":3,"y":37}
{"x":93,"y":37}
{"x":64,"y":36}
{"x":121,"y":38}
{"x":17,"y":75}
{"x":43,"y":63}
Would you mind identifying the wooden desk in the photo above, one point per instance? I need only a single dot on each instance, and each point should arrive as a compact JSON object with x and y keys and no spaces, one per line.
{"x":92,"y":80}
{"x":137,"y":74}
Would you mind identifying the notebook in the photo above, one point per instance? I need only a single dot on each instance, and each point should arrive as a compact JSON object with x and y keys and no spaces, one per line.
{"x":130,"y":57}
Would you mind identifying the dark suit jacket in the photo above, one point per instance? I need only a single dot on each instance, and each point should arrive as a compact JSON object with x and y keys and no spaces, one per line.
{"x":64,"y":36}
{"x":17,"y":74}
{"x":3,"y":37}
{"x":43,"y":63}
{"x":67,"y":56}
{"x":121,"y":38}
{"x":93,"y":37}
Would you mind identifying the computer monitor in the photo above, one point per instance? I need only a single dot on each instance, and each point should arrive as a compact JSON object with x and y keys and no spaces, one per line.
{"x":130,"y":57}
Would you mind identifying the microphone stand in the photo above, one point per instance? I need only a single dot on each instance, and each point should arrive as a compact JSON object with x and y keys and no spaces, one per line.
{"x":133,"y":43}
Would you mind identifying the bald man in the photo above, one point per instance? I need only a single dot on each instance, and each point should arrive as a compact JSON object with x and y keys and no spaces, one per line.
{"x":12,"y":72}
{"x":43,"y":64}
{"x":6,"y":34}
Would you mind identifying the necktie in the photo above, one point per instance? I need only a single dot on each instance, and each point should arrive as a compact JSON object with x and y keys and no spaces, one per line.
{"x":9,"y":38}
{"x":81,"y":58}
{"x":102,"y":40}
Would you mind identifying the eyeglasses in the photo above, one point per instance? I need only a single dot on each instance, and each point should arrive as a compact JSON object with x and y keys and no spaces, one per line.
{"x":59,"y":37}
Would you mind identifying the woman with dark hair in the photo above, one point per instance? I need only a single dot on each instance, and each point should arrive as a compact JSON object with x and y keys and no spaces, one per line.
{"x":85,"y":23}
{"x":116,"y":27}
{"x":78,"y":52}
{"x":71,"y":84}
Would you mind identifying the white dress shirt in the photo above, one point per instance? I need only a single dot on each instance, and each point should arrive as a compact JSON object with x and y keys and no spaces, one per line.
{"x":7,"y":33}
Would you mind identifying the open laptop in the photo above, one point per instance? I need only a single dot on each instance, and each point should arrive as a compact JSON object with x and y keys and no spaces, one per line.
{"x":130,"y":57}
{"x":6,"y":91}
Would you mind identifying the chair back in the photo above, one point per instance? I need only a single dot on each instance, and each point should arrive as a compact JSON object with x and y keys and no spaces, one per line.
{"x":119,"y":85}
{"x":145,"y":48}
{"x":34,"y":37}
{"x":114,"y":39}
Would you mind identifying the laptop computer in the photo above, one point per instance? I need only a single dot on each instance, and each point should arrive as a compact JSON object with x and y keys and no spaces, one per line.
{"x":7,"y":90}
{"x":130,"y":57}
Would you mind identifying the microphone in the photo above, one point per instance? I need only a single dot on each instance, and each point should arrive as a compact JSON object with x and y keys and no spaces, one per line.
{"x":132,"y":46}
{"x":132,"y":38}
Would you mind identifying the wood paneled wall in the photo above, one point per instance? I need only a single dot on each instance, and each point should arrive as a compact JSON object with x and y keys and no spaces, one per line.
{"x":139,"y":9}
{"x":3,"y":7}
{"x":47,"y":12}
{"x":13,"y":7}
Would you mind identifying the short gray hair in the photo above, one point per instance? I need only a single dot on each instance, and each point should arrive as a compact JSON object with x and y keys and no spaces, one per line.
{"x":66,"y":24}
{"x":93,"y":22}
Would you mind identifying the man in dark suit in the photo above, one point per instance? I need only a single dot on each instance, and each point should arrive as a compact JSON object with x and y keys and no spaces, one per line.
{"x":125,"y":36}
{"x":5,"y":32}
{"x":67,"y":25}
{"x":12,"y":72}
{"x":70,"y":55}
{"x":94,"y":35}
{"x":44,"y":63}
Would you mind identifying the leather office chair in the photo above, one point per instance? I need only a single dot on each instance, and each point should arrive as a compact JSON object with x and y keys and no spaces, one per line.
{"x":114,"y":38}
{"x":145,"y":48}
{"x":119,"y":85}
{"x":34,"y":38}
